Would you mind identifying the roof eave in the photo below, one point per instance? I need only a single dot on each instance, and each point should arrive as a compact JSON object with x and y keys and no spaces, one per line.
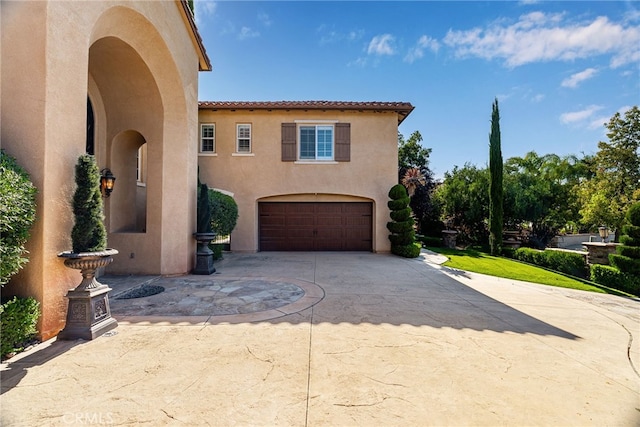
{"x":204,"y":64}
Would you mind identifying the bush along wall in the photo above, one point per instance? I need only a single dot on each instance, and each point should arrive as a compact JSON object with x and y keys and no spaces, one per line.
{"x":624,"y":272}
{"x":18,"y":318}
{"x":17,"y":214}
{"x":564,"y":262}
{"x":402,"y":235}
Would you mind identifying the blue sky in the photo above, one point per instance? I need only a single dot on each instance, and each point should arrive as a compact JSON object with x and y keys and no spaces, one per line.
{"x":559,"y":69}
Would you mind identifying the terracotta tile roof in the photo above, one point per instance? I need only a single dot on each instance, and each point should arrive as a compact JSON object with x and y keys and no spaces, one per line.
{"x":402,"y":108}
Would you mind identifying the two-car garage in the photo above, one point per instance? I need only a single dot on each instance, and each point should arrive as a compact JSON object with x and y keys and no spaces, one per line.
{"x":315,"y":226}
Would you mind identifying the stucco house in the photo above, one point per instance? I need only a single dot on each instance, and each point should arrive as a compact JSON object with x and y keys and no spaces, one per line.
{"x":307,"y":176}
{"x":108,"y":78}
{"x":119,"y":79}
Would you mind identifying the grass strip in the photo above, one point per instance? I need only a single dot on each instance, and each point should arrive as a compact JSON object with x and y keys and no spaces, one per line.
{"x":480,"y":262}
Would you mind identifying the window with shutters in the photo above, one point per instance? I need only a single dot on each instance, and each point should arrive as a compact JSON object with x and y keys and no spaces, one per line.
{"x":308,"y":142}
{"x":243,"y":144}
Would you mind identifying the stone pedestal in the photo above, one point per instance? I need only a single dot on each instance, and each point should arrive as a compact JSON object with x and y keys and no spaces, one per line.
{"x":598,"y":252}
{"x":89,"y":314}
{"x":204,"y":255}
{"x":449,"y":238}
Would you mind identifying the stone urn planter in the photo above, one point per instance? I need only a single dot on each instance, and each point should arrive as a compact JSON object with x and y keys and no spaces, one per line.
{"x":449,"y":238}
{"x":89,"y":315}
{"x":204,"y":255}
{"x":204,"y":234}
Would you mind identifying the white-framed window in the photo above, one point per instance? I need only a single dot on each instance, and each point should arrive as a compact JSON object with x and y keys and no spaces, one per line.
{"x":243,"y":138}
{"x":208,"y":138}
{"x":315,"y":142}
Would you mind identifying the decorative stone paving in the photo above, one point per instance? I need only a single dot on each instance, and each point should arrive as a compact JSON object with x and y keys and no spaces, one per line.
{"x":211,"y":298}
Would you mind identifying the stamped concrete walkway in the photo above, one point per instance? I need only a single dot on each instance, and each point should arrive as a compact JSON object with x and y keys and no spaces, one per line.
{"x":374,"y":340}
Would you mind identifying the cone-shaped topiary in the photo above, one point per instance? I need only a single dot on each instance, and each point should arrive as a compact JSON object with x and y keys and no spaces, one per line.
{"x":89,"y":233}
{"x":203,"y":210}
{"x":627,"y":258}
{"x":402,"y":237}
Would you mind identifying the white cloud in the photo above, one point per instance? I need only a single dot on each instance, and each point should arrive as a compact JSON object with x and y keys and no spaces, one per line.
{"x":264,"y":19}
{"x":537,"y":98}
{"x":204,"y":8}
{"x":575,"y":79}
{"x":330,"y":36}
{"x":247,"y":33}
{"x":538,"y":37}
{"x":581,"y":115}
{"x":382,"y":45}
{"x":417,"y":52}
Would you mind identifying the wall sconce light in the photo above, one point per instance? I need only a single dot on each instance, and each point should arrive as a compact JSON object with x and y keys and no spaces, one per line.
{"x":604,"y":233}
{"x":107,"y":180}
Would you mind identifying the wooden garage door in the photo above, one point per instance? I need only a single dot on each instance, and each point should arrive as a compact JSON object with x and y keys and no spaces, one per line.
{"x":327,"y":226}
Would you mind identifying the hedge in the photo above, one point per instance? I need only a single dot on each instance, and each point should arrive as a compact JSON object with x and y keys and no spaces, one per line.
{"x":565,"y":262}
{"x":611,"y":277}
{"x":18,"y":318}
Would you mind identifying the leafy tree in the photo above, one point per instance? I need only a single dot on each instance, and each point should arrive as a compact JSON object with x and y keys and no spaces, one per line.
{"x":541,"y":190}
{"x":616,"y":173}
{"x":411,"y":154}
{"x":415,"y":175}
{"x":464,"y":201}
{"x":17,"y":214}
{"x":496,"y":189}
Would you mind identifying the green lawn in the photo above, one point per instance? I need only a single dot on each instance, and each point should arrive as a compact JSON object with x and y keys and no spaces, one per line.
{"x":479,"y":262}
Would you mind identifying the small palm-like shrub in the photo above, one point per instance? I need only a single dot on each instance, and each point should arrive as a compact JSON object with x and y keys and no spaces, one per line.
{"x":17,"y":214}
{"x":402,"y":235}
{"x":89,"y":233}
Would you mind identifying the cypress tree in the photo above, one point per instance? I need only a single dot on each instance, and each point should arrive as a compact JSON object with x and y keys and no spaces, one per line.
{"x":89,"y":233}
{"x":496,"y":190}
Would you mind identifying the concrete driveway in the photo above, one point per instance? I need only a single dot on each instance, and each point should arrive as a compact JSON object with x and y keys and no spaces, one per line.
{"x":379,"y":341}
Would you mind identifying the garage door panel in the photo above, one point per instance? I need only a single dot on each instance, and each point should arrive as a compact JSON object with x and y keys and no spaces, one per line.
{"x":326,"y":226}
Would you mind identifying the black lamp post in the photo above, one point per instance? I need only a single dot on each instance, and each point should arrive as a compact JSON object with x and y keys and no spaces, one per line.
{"x":107,"y":181}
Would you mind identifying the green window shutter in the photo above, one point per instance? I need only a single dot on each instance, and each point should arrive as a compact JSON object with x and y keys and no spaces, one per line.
{"x":289,"y":152}
{"x":343,"y":142}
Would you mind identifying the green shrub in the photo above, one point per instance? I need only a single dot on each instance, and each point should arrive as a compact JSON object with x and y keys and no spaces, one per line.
{"x":406,"y":251}
{"x":625,"y":264}
{"x":401,"y":215}
{"x":397,"y":192}
{"x":18,"y":318}
{"x":17,"y":214}
{"x":402,"y":239}
{"x":565,"y":262}
{"x":434,"y":242}
{"x":402,"y":235}
{"x":217,"y":249}
{"x":629,"y":251}
{"x":399,"y":204}
{"x":612,"y":277}
{"x":633,"y":214}
{"x":89,"y":233}
{"x":203,"y":210}
{"x":224,"y":213}
{"x":508,"y":252}
{"x":629,"y":241}
{"x":631,"y":230}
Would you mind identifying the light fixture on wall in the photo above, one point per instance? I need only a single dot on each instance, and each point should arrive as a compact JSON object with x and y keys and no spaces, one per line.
{"x":604,"y":233}
{"x":107,"y":180}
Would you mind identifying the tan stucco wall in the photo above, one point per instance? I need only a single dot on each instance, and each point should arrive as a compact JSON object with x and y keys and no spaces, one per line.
{"x":141,"y":75}
{"x":368,"y":176}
